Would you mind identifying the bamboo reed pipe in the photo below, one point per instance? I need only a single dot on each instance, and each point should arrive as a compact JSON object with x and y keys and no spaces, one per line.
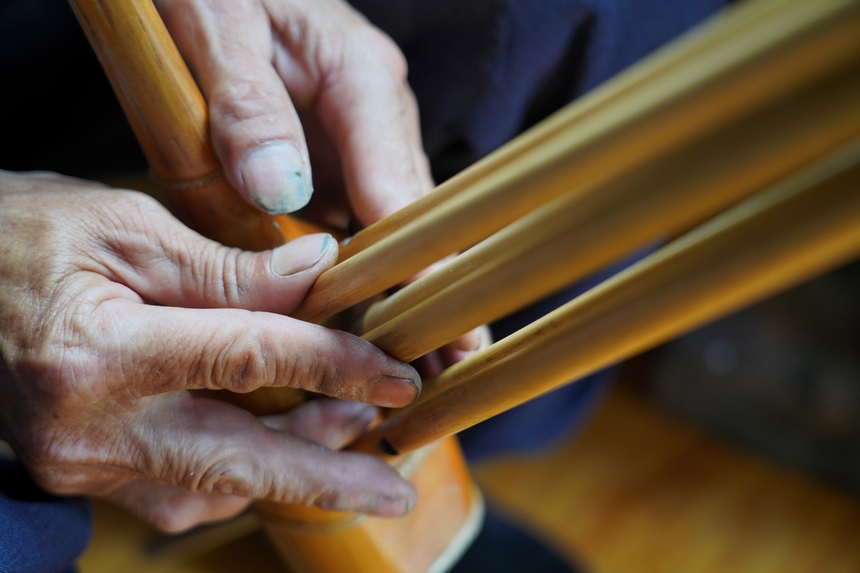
{"x":793,"y":231}
{"x":588,"y":230}
{"x":170,"y":119}
{"x":691,"y":45}
{"x":803,"y":41}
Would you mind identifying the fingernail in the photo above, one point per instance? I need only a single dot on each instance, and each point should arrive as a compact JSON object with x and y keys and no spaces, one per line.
{"x":392,"y":392}
{"x":300,"y":254}
{"x":275,"y":178}
{"x":362,"y":420}
{"x":390,"y":506}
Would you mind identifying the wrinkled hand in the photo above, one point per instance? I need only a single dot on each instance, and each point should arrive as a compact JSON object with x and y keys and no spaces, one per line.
{"x":110,"y":311}
{"x":285,"y":76}
{"x":280,"y":75}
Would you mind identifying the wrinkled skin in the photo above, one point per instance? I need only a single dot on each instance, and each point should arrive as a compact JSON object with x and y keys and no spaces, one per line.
{"x":263,"y":64}
{"x":93,"y":387}
{"x":111,"y":310}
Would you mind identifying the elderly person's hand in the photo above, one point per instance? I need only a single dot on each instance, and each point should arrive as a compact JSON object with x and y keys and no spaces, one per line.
{"x":283,"y":76}
{"x":279,"y":73}
{"x":111,"y":311}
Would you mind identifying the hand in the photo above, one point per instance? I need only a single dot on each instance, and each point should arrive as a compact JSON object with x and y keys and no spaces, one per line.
{"x":259,"y":61}
{"x":94,"y":380}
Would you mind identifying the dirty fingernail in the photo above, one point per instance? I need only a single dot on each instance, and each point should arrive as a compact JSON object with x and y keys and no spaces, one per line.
{"x":300,"y":254}
{"x":392,"y":392}
{"x":275,"y":178}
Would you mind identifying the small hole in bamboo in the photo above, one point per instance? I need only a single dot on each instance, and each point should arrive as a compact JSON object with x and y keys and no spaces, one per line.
{"x":386,"y":447}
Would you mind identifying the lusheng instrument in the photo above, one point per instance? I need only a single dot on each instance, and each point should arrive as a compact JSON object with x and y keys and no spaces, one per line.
{"x":741,"y":137}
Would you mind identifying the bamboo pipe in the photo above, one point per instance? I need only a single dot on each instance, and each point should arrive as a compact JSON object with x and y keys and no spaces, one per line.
{"x":803,"y":41}
{"x":170,"y":119}
{"x":588,"y":230}
{"x":691,"y":45}
{"x":792,"y":232}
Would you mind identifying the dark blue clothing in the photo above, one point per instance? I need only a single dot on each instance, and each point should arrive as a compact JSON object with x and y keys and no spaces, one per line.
{"x":39,"y":533}
{"x":482,"y":70}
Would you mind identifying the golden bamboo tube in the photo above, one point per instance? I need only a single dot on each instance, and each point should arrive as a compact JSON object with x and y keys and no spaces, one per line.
{"x":801,"y":42}
{"x":796,"y":230}
{"x":581,"y":232}
{"x":693,"y":44}
{"x":170,"y":119}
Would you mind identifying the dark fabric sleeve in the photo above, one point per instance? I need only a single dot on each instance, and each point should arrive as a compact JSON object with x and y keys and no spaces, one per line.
{"x":39,"y":533}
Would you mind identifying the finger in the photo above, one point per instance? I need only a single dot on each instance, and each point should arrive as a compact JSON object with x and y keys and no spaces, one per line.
{"x":173,"y":509}
{"x":255,"y":129}
{"x":151,"y":350}
{"x":356,"y":78}
{"x":163,"y":261}
{"x":329,"y":423}
{"x":215,"y":277}
{"x":471,"y":342}
{"x":434,"y":363}
{"x":367,"y":111}
{"x":208,"y":446}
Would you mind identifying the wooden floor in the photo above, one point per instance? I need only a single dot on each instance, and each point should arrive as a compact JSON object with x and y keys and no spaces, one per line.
{"x":637,"y":492}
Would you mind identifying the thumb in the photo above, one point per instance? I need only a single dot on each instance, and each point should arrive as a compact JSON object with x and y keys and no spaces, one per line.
{"x":165,"y":262}
{"x":219,"y":277}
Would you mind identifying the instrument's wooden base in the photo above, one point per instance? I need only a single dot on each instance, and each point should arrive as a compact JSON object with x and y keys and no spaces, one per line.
{"x":430,"y":539}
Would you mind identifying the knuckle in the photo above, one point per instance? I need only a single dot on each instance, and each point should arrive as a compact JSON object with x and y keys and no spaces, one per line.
{"x":357,"y":48}
{"x":223,"y":271}
{"x":325,"y":494}
{"x":216,"y":272}
{"x":239,"y":101}
{"x":221,"y":474}
{"x":139,"y":204}
{"x":130,"y":211}
{"x":61,"y":376}
{"x":315,"y":371}
{"x":383,"y":49}
{"x":323,"y":377}
{"x":243,"y":365}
